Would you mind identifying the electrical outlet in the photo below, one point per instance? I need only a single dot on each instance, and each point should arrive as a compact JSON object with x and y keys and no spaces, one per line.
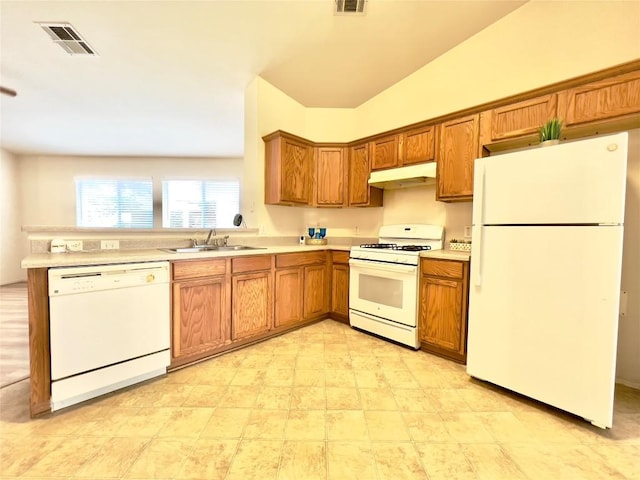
{"x":467,"y":232}
{"x":109,"y":244}
{"x":74,"y":245}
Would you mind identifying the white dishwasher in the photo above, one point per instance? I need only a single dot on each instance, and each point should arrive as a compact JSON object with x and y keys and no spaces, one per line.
{"x":109,"y":328}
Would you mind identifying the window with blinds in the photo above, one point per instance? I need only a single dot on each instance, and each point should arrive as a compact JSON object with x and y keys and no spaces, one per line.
{"x":118,"y":203}
{"x":200,"y":203}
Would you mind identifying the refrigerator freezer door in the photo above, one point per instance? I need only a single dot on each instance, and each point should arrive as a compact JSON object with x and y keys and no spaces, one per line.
{"x":571,"y":183}
{"x":543,"y":320}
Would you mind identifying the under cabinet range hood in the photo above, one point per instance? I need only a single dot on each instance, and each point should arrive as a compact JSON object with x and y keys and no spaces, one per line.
{"x":404,"y":177}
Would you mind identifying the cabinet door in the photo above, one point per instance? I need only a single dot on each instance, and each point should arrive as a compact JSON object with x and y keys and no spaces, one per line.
{"x":315,"y":291}
{"x":457,"y":150}
{"x":417,"y":146}
{"x":288,"y":164}
{"x":340,"y":290}
{"x":384,"y":153}
{"x":601,"y":100}
{"x":359,"y":191}
{"x":441,"y":316}
{"x":288,"y":296}
{"x":198,"y":320}
{"x":296,"y":161}
{"x":251,"y":311}
{"x":518,"y":119}
{"x":331,"y":170}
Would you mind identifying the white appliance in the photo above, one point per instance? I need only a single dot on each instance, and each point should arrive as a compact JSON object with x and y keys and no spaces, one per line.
{"x":109,"y":328}
{"x":546,"y":263}
{"x":383,"y":281}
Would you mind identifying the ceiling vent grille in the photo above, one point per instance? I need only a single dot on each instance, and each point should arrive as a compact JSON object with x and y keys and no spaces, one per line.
{"x":68,"y":38}
{"x":350,"y":7}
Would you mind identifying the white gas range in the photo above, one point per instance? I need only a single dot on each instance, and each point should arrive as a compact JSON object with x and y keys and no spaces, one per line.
{"x":383,"y":281}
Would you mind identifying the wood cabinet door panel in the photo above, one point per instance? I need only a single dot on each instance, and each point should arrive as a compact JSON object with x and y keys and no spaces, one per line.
{"x":522,"y":118}
{"x":384,"y":153}
{"x":418,"y":146}
{"x":296,"y":160}
{"x":330,"y":177}
{"x":441,"y":318}
{"x":288,"y":296}
{"x":441,"y":268}
{"x":603,"y":99}
{"x":198,"y":268}
{"x":315,"y":291}
{"x":286,"y":260}
{"x":251,"y":312}
{"x":198,"y":316}
{"x":250,"y":264}
{"x":457,"y":150}
{"x":339,"y":256}
{"x":340,"y":289}
{"x":359,"y":171}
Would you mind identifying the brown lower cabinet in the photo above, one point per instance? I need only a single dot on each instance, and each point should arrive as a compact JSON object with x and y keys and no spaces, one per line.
{"x":444,"y":293}
{"x":251,"y":296}
{"x":340,"y":286}
{"x":200,"y":310}
{"x":301,"y":291}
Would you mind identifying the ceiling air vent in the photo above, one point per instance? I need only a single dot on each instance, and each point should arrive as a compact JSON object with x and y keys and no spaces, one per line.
{"x":350,"y":7}
{"x":68,"y":38}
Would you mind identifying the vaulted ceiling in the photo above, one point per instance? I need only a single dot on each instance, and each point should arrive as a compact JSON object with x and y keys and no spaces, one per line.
{"x":169,"y":76}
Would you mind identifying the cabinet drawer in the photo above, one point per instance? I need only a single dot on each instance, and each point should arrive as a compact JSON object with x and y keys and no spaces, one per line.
{"x":199,"y":268}
{"x":250,"y":264}
{"x":442,"y":268}
{"x":340,"y":256}
{"x":297,"y":259}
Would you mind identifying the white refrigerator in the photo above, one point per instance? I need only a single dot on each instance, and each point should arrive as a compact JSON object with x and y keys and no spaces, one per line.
{"x":546,"y":262}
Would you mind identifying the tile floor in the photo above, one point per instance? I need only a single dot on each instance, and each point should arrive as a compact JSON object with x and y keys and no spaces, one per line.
{"x":323,"y":402}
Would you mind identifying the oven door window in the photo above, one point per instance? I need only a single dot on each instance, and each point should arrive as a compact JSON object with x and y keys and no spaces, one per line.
{"x":385,"y":291}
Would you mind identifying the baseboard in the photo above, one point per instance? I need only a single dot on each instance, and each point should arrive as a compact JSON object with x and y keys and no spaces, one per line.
{"x":628,"y":383}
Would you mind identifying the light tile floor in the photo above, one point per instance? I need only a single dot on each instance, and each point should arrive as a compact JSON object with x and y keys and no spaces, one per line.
{"x":323,"y":402}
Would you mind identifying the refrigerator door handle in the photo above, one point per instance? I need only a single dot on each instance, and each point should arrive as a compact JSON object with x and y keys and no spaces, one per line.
{"x":478,"y":228}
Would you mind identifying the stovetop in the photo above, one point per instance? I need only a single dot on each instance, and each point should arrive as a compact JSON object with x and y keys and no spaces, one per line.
{"x":401,"y":244}
{"x":395,"y":246}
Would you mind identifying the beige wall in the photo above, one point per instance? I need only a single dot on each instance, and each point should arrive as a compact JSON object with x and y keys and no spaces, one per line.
{"x":540,"y":43}
{"x":12,"y":240}
{"x":47,"y":187}
{"x":629,"y":334}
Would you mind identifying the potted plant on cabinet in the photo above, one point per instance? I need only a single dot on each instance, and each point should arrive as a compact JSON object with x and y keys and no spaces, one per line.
{"x":549,"y":133}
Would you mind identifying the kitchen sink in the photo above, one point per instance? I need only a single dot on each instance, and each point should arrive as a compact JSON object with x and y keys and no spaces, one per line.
{"x":211,"y":248}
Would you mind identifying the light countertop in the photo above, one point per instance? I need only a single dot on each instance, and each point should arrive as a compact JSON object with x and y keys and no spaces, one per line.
{"x":105,"y":257}
{"x":447,"y":255}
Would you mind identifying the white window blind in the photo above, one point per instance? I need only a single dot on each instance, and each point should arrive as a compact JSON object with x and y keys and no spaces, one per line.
{"x":200,"y":203}
{"x":119,"y":203}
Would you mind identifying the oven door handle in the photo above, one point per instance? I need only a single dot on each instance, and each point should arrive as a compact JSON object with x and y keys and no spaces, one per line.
{"x":386,"y":267}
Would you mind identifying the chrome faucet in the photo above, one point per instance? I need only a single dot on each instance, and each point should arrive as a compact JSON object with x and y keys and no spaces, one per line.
{"x":211,"y":232}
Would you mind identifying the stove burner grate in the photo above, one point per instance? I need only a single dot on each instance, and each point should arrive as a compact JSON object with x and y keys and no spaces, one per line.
{"x":394,"y":246}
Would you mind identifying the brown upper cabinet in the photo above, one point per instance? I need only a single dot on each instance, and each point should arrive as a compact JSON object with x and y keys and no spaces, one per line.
{"x":417,"y":145}
{"x":331,"y":172}
{"x":299,"y":172}
{"x":360,"y":193}
{"x":457,"y":149}
{"x":384,"y":152}
{"x":517,"y":119}
{"x":602,"y":100}
{"x":288,"y":169}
